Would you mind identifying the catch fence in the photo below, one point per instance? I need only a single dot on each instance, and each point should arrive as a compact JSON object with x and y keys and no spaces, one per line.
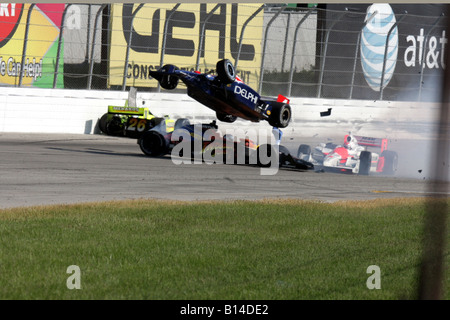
{"x":355,"y":51}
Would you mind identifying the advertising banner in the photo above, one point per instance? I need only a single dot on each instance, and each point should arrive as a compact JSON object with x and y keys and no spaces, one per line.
{"x":37,"y":66}
{"x":396,"y":50}
{"x":222,"y":24}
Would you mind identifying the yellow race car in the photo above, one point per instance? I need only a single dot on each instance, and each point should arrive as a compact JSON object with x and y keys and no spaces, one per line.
{"x":130,"y":121}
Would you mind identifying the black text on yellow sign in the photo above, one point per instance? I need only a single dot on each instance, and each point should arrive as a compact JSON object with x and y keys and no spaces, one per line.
{"x":183,"y":26}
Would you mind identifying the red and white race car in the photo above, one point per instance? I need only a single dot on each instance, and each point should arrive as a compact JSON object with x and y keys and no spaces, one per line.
{"x":352,"y":156}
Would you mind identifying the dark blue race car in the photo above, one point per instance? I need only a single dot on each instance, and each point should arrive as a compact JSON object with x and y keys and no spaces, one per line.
{"x":226,"y":94}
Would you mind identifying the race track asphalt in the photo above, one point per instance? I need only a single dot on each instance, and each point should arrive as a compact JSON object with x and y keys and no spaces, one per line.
{"x":45,"y":169}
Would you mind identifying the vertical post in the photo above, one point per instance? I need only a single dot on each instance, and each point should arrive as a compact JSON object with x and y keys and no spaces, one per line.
{"x":357,"y":50}
{"x":423,"y":56}
{"x":25,"y":40}
{"x":432,"y":277}
{"x":202,"y":35}
{"x":58,"y":52}
{"x":124,"y":84}
{"x":325,"y":53}
{"x":261,"y":76}
{"x":166,"y":25}
{"x":385,"y":56}
{"x":88,"y":32}
{"x":283,"y":58}
{"x":91,"y":62}
{"x":163,"y":47}
{"x":294,"y":44}
{"x":242,"y":33}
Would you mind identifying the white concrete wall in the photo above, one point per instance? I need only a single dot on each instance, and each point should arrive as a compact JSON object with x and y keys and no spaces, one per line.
{"x":53,"y":111}
{"x":78,"y":111}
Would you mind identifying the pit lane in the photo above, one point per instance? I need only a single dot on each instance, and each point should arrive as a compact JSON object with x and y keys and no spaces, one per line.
{"x":46,"y":169}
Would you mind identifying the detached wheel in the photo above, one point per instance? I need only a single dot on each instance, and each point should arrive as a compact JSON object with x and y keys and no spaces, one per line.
{"x":390,"y":162}
{"x":365,"y":162}
{"x":169,"y":82}
{"x":280,"y":115}
{"x":225,"y":71}
{"x":152,"y":144}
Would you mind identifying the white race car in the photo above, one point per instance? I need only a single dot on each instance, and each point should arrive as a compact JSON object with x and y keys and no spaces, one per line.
{"x":353,"y":156}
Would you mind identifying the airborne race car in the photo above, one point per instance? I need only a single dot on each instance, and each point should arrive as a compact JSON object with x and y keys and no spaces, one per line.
{"x":226,"y":94}
{"x":352,"y":156}
{"x":208,"y":144}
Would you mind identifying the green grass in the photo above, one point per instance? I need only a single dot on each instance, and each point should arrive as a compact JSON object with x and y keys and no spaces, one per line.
{"x":273,"y":249}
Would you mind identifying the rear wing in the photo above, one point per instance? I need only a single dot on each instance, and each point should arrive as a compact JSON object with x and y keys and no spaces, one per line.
{"x":371,"y":142}
{"x":280,"y":98}
{"x":283,"y":99}
{"x":127,"y":110}
{"x":130,"y":106}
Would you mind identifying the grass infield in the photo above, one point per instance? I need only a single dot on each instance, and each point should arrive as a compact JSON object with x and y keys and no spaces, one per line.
{"x":262,"y":250}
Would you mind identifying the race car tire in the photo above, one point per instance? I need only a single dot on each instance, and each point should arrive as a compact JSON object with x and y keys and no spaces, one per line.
{"x":365,"y":161}
{"x":114,"y":127}
{"x":304,"y":152}
{"x":225,"y":117}
{"x":102,"y":123}
{"x":280,"y":115}
{"x":220,"y":157}
{"x":169,"y":82}
{"x":152,"y":144}
{"x":390,"y":162}
{"x":225,"y":71}
{"x":266,"y":150}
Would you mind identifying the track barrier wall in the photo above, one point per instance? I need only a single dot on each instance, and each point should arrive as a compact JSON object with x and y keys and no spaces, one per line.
{"x":33,"y":110}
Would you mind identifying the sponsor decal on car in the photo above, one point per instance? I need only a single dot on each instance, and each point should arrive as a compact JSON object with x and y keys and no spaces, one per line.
{"x":246,"y":94}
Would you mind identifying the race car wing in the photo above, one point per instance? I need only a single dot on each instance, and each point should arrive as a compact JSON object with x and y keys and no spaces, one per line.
{"x":371,"y":142}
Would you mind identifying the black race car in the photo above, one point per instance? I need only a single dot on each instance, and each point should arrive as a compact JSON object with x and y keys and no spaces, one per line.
{"x":226,"y":94}
{"x":205,"y":142}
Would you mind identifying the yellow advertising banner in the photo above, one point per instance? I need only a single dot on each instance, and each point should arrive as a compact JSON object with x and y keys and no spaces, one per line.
{"x":224,"y":26}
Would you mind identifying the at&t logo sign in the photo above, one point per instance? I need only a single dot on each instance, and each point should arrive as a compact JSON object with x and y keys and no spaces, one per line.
{"x":378,"y":53}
